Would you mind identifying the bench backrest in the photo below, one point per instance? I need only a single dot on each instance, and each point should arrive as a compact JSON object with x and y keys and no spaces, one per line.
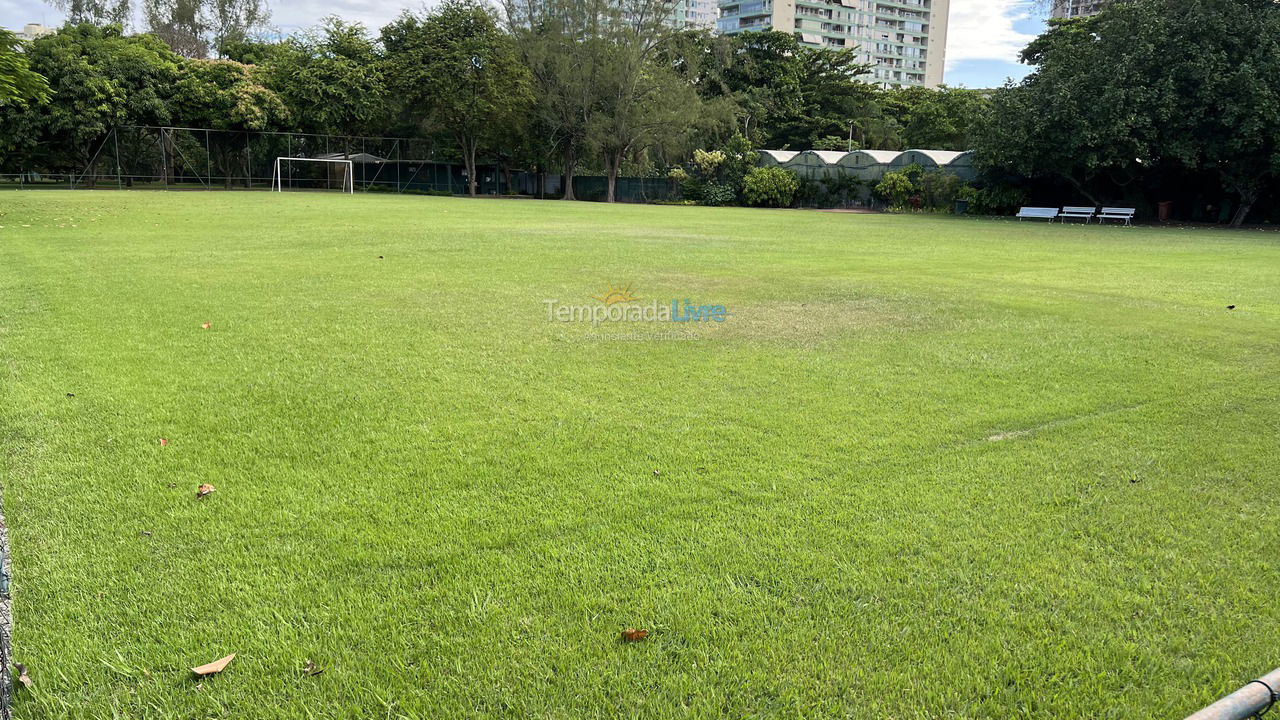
{"x":1079,"y":210}
{"x":1118,"y":211}
{"x":1038,"y":212}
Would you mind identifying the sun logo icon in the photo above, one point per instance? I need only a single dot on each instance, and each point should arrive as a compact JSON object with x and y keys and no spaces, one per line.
{"x":616,"y":295}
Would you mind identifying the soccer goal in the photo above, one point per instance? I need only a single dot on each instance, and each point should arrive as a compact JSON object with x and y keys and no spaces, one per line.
{"x":345,"y":173}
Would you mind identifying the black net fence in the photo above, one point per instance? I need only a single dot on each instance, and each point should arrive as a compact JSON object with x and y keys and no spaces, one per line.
{"x":173,"y":158}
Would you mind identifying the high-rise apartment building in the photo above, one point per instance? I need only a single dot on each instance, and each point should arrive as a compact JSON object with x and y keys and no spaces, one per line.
{"x":1076,"y":8}
{"x":695,"y":14}
{"x":905,"y":40}
{"x":35,"y":30}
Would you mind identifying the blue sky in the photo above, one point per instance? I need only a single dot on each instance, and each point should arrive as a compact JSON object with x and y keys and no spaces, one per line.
{"x":982,"y":45}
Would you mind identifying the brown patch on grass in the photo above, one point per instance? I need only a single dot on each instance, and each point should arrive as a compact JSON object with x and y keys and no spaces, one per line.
{"x":814,"y":322}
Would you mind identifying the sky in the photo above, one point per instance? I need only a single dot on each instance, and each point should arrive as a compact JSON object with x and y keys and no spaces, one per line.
{"x":983,"y":39}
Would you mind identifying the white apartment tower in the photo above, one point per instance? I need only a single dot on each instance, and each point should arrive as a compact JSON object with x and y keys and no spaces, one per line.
{"x":1076,"y":8}
{"x":905,"y":40}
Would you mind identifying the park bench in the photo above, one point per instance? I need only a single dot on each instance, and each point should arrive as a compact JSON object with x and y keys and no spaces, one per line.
{"x":1037,"y":212}
{"x":1071,"y":211}
{"x":1114,"y":213}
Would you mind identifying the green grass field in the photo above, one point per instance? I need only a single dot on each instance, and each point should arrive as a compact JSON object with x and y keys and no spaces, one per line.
{"x":928,"y":467}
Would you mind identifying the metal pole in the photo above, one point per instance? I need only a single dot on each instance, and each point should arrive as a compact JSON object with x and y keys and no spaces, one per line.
{"x":164,"y":160}
{"x":1246,"y":702}
{"x":115,"y":140}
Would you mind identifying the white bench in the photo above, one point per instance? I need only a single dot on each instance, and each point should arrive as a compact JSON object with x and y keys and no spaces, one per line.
{"x":1037,"y":213}
{"x":1110,"y":213}
{"x":1077,"y":212}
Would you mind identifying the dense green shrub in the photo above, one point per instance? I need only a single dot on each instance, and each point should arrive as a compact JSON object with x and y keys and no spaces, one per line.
{"x":938,"y":190}
{"x":995,"y":200}
{"x":895,"y":188}
{"x":718,"y":193}
{"x":769,"y":187}
{"x":714,"y":177}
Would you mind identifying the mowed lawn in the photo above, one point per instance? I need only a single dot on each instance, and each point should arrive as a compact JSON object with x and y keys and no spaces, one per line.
{"x":929,"y":467}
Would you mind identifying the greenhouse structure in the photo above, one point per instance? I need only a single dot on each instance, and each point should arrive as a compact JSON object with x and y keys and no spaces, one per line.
{"x":867,"y":165}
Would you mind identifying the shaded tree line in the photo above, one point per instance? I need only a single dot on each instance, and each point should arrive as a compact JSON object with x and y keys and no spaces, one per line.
{"x":1149,"y":100}
{"x":553,"y":86}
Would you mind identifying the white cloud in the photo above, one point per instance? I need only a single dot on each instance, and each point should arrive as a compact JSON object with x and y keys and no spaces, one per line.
{"x":984,"y":30}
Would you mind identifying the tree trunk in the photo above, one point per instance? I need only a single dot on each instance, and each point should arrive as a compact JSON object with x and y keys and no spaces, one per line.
{"x":1080,"y":189}
{"x":1242,"y":212}
{"x":570,"y":159}
{"x":470,"y":159}
{"x":613,"y":161}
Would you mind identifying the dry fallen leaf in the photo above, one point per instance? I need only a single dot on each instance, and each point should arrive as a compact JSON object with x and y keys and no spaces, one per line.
{"x":204,"y":489}
{"x":633,"y":635}
{"x":23,"y":677}
{"x":214,"y":667}
{"x":206,"y":325}
{"x":311,"y":669}
{"x":164,"y":442}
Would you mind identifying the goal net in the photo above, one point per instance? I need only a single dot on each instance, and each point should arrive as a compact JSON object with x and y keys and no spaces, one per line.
{"x":297,"y":173}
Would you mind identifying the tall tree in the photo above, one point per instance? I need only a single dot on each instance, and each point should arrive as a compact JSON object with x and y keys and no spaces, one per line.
{"x":19,"y":84}
{"x":1143,"y":88}
{"x":1219,"y":61}
{"x":331,"y":79}
{"x":181,"y":24}
{"x":224,"y":95}
{"x":642,"y":108}
{"x":592,"y":64}
{"x":937,"y":118}
{"x":458,"y":72}
{"x":195,"y":28}
{"x":641,"y":103}
{"x":98,"y":78}
{"x":96,"y":12}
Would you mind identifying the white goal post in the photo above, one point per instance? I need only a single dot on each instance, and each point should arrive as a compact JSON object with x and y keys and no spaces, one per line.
{"x":348,"y":182}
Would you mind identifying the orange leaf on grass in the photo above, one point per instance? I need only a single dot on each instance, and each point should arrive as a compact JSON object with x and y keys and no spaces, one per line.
{"x":204,"y":489}
{"x":214,"y":667}
{"x":164,"y":442}
{"x":206,"y":325}
{"x":633,"y":635}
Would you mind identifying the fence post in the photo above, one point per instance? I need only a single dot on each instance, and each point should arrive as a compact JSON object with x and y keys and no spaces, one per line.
{"x":208,"y":163}
{"x":115,"y":140}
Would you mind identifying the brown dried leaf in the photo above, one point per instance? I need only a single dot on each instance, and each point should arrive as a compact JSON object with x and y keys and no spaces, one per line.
{"x":204,"y":489}
{"x":634,"y":635}
{"x":311,"y":669}
{"x":206,"y":325}
{"x":214,"y":667}
{"x":164,"y":442}
{"x":23,"y":677}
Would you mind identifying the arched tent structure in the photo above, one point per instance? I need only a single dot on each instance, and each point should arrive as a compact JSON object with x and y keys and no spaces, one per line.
{"x":775,"y":158}
{"x":866,"y":164}
{"x":962,"y":166}
{"x":927,"y":159}
{"x":816,"y":164}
